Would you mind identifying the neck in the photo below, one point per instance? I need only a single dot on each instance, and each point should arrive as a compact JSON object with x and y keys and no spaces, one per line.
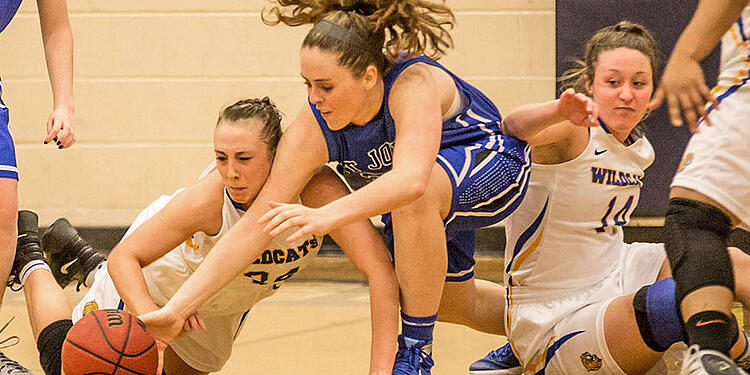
{"x":373,"y":102}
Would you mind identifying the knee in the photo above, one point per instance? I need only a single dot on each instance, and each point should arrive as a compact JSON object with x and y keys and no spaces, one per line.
{"x":50,"y":342}
{"x":656,"y":315}
{"x":696,"y":239}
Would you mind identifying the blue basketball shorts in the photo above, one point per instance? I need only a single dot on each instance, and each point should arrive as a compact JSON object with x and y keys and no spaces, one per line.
{"x":489,"y":181}
{"x":8,"y":167}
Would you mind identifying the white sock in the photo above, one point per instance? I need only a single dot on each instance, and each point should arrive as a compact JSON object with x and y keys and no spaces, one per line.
{"x":32,"y":266}
{"x":90,"y":277}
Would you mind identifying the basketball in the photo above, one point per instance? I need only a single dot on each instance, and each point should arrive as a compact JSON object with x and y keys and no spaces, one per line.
{"x":109,"y":342}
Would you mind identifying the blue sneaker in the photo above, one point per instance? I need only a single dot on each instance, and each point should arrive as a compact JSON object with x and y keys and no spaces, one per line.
{"x":414,"y":360}
{"x":500,"y":361}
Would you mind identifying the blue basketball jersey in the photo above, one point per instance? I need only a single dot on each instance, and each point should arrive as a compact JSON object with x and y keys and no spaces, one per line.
{"x":364,"y":152}
{"x":488,"y":170}
{"x":8,"y":9}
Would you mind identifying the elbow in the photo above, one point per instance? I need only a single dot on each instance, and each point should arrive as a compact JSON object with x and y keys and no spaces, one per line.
{"x":415,"y":188}
{"x":510,"y":127}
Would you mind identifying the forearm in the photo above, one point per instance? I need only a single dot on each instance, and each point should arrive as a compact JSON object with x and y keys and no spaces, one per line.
{"x":58,"y":51}
{"x":226,"y":260}
{"x":127,"y":274}
{"x":711,"y":20}
{"x":385,"y":194}
{"x":384,"y":307}
{"x":526,"y":121}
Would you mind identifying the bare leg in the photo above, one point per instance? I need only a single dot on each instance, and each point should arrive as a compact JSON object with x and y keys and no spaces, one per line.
{"x":8,"y":227}
{"x":420,"y":247}
{"x":623,"y":336}
{"x":45,"y":301}
{"x":174,"y":365}
{"x":479,"y":304}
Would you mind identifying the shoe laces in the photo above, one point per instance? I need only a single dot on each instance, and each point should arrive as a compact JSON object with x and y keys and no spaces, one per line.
{"x":502,"y":354}
{"x":5,"y":362}
{"x":415,"y":358}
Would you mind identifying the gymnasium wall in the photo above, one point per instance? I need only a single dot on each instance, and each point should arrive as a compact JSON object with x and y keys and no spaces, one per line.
{"x":151,"y":76}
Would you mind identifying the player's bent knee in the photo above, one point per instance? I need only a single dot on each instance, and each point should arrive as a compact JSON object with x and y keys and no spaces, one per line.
{"x":50,"y":343}
{"x":656,"y":314}
{"x":696,"y":240}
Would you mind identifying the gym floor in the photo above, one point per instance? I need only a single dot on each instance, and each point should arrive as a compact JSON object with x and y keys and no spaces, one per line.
{"x":308,"y":327}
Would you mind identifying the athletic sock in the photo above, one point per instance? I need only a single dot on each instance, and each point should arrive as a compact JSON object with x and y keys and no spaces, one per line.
{"x":417,"y":328}
{"x":32,"y":266}
{"x":89,"y":280}
{"x":710,"y":330}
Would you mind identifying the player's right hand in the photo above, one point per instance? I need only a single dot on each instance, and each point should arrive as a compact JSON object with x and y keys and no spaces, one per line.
{"x":578,"y":108}
{"x":684,"y":88}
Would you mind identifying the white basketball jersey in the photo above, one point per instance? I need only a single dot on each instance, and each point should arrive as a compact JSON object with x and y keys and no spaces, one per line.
{"x":278,"y":262}
{"x":734,"y":55}
{"x":567,"y":232}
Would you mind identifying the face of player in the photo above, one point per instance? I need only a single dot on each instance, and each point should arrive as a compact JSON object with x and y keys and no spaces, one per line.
{"x":340,"y":97}
{"x":242,"y":158}
{"x":622,"y":88}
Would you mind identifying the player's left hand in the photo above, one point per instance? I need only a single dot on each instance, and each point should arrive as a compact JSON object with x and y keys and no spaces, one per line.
{"x":60,"y":127}
{"x":164,"y":327}
{"x":283,"y":216}
{"x":684,"y":88}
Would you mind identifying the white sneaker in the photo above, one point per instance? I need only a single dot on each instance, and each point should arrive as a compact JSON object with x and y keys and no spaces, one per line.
{"x":708,"y":362}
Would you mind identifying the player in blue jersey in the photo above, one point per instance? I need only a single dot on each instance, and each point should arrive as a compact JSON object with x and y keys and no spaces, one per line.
{"x":58,"y":51}
{"x":710,"y":193}
{"x":579,"y":299}
{"x":415,"y":143}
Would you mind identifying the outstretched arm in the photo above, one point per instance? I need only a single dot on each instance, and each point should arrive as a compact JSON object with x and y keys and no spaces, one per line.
{"x":415,"y":106}
{"x":683,"y":84}
{"x":195,"y":209}
{"x":301,"y":151}
{"x":544,"y":123}
{"x":58,"y":51}
{"x":365,"y":248}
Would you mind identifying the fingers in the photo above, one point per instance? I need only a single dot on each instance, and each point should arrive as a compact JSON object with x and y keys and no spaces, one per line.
{"x":60,"y":131}
{"x":53,"y":127}
{"x":279,"y":220}
{"x":673,"y":108}
{"x":657,"y":99}
{"x":593,"y":114}
{"x":299,"y":234}
{"x":160,"y":347}
{"x":276,"y":207}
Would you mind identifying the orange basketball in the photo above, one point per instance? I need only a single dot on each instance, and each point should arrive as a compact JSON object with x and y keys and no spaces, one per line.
{"x":109,"y":342}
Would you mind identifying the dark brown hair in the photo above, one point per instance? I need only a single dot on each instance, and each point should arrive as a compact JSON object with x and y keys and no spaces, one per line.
{"x":263,"y":109}
{"x":370,"y":32}
{"x":622,"y":34}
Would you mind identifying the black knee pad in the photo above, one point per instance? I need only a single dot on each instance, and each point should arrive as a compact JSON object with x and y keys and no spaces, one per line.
{"x":656,"y":314}
{"x":696,"y":243}
{"x":50,"y":345}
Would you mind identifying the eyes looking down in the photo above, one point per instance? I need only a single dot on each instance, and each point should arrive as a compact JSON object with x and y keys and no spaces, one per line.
{"x":622,"y":87}
{"x":242,"y":158}
{"x":340,"y":96}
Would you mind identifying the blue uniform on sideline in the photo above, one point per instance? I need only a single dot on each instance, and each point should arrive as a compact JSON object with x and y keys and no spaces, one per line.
{"x":488,"y":170}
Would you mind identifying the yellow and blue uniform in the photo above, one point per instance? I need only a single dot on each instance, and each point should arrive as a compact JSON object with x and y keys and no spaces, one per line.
{"x":716,"y":161}
{"x":565,"y":258}
{"x":224,"y":314}
{"x":488,"y":170}
{"x":8,"y":167}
